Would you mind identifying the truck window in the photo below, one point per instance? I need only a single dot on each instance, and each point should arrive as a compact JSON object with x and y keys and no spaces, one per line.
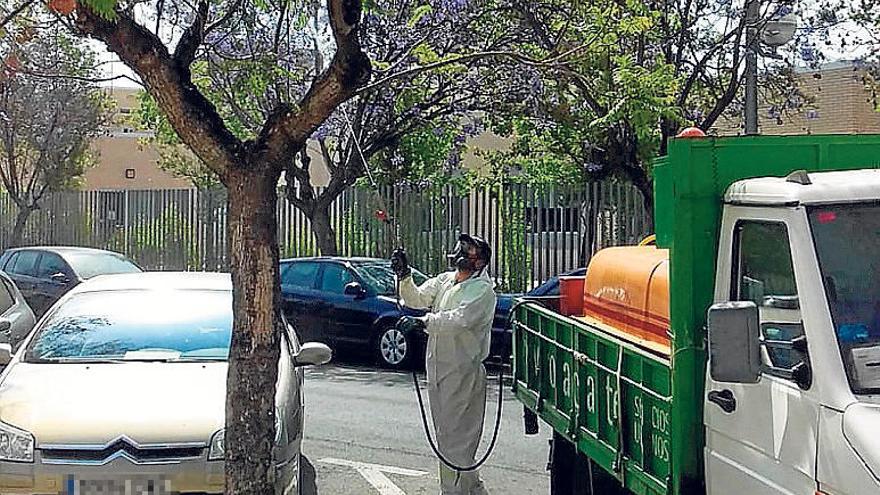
{"x":764,"y":274}
{"x":847,"y":238}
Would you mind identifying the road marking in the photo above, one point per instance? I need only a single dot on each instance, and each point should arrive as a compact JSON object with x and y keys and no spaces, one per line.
{"x":375,"y":474}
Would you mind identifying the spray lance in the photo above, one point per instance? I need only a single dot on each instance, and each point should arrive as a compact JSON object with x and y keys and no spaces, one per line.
{"x":391,"y":221}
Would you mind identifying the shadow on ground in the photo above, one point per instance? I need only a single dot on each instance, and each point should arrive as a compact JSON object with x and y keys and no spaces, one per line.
{"x":308,"y":477}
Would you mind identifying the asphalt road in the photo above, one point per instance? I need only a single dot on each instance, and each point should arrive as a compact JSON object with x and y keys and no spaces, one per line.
{"x":364,"y":436}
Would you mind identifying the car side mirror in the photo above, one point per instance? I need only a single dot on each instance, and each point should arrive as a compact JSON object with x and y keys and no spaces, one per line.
{"x":5,"y":354}
{"x":60,"y":278}
{"x":313,"y":354}
{"x":734,"y":342}
{"x":354,"y":289}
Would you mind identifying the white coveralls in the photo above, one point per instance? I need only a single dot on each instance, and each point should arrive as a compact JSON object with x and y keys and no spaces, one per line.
{"x":459,"y":329}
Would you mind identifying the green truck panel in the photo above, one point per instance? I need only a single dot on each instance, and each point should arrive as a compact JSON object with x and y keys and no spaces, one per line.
{"x":689,"y":184}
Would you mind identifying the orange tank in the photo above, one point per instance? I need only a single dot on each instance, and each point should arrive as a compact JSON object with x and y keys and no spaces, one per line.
{"x":626,"y":291}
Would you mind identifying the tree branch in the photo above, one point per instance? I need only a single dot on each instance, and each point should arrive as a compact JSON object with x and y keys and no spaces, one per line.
{"x":232,"y":10}
{"x":192,"y":38}
{"x":700,"y":65}
{"x":15,"y":12}
{"x":518,"y":57}
{"x":80,"y":78}
{"x":191,"y":115}
{"x":287,"y":129}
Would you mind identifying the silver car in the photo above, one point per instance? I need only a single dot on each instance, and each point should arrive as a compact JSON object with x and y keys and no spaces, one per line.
{"x":16,"y":317}
{"x":123,"y":382}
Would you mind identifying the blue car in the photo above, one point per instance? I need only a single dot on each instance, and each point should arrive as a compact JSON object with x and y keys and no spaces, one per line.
{"x":349,"y":304}
{"x":501,"y":333}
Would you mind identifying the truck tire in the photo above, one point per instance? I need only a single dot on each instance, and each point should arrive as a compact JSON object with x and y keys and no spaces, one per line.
{"x":572,"y":473}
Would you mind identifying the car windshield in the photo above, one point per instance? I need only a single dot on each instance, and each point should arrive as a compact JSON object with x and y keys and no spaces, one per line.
{"x":88,"y":265}
{"x":140,"y":325}
{"x":847,"y":238}
{"x":379,"y":277}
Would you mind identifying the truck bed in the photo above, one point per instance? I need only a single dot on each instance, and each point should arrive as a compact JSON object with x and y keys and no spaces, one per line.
{"x":611,"y":397}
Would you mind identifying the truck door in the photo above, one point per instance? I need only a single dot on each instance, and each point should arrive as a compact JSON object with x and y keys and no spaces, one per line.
{"x":761,"y":438}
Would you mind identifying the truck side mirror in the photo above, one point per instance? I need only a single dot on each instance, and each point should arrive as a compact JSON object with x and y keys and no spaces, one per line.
{"x":734,"y":342}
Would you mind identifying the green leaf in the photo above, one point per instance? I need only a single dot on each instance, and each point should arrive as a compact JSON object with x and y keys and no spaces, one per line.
{"x":104,"y":8}
{"x":420,"y":12}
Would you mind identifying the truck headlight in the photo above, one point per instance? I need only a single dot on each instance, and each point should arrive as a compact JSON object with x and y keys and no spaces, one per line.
{"x":218,"y":446}
{"x":15,"y":445}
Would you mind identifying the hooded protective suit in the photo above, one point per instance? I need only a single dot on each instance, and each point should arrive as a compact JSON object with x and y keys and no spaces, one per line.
{"x":459,"y":329}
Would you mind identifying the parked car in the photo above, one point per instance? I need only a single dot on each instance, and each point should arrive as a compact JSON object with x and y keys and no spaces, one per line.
{"x":44,"y":274}
{"x":349,"y":304}
{"x":125,"y":379}
{"x":501,"y":332}
{"x":16,"y":317}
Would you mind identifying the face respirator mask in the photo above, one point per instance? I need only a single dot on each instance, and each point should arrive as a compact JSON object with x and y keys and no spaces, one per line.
{"x":461,"y":259}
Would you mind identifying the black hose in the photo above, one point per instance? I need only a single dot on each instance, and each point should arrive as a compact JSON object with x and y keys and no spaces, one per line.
{"x":433,"y":445}
{"x":424,"y":414}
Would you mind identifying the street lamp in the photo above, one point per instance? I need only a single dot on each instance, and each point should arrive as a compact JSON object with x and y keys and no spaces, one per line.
{"x":776,"y":33}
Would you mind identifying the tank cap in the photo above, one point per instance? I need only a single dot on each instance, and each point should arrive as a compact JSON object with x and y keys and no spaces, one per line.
{"x":799,"y":177}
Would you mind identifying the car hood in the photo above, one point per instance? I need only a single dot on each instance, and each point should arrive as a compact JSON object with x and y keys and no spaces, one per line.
{"x":505,"y":301}
{"x":394,"y":303}
{"x":98,"y":403}
{"x":861,"y":422}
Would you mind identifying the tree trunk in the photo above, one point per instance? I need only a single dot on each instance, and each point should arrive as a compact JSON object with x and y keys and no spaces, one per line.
{"x":253,"y":358}
{"x":21,"y":219}
{"x":325,"y":236}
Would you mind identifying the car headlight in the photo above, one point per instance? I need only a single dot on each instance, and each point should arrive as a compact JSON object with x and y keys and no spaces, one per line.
{"x":218,"y":446}
{"x":15,"y":445}
{"x":217,"y":449}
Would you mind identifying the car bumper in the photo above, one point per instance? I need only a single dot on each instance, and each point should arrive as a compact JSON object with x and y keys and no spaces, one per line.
{"x":183,"y":476}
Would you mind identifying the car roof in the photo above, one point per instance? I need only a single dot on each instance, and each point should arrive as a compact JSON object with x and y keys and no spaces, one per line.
{"x":157,"y":281}
{"x":336,"y":259}
{"x":63,"y":250}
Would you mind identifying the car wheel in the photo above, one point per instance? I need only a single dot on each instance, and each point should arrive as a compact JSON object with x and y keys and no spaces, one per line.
{"x":394,"y":348}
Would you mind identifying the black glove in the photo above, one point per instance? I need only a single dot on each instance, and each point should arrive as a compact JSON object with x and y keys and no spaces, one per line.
{"x":409,"y":325}
{"x":399,"y":264}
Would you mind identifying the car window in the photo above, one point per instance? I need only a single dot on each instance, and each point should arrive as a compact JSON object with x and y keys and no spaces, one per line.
{"x":300,"y":274}
{"x":7,"y":300}
{"x":10,"y":260}
{"x":25,"y":263}
{"x":50,"y":264}
{"x":380,"y":278}
{"x":181,"y":324}
{"x":335,"y":278}
{"x":88,"y":265}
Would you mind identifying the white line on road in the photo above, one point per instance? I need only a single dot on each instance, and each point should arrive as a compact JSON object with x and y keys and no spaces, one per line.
{"x":375,"y":474}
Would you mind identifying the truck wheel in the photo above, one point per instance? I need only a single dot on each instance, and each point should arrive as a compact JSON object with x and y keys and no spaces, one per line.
{"x":572,"y":473}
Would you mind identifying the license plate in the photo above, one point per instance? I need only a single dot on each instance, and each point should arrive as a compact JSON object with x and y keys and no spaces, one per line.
{"x":118,"y":486}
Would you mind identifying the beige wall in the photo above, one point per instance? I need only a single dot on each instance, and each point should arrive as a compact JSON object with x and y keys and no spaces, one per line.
{"x":120,"y":150}
{"x":840,"y":101}
{"x":116,"y":154}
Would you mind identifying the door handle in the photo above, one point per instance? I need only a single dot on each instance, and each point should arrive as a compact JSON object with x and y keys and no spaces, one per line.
{"x":724,"y":399}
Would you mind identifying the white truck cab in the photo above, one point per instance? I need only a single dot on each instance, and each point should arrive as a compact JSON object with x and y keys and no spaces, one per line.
{"x":801,"y":253}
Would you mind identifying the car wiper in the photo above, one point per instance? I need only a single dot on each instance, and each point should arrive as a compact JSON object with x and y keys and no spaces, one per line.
{"x":197,"y":360}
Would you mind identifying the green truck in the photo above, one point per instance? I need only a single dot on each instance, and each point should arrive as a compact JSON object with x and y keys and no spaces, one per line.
{"x":769,"y":381}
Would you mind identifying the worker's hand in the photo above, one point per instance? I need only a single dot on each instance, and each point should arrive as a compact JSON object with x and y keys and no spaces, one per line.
{"x":409,"y":325}
{"x":400,"y":264}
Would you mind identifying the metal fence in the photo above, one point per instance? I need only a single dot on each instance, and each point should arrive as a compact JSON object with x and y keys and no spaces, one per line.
{"x":535,"y":232}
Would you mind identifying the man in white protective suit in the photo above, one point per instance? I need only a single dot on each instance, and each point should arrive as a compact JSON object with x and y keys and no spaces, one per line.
{"x":461,"y":307}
